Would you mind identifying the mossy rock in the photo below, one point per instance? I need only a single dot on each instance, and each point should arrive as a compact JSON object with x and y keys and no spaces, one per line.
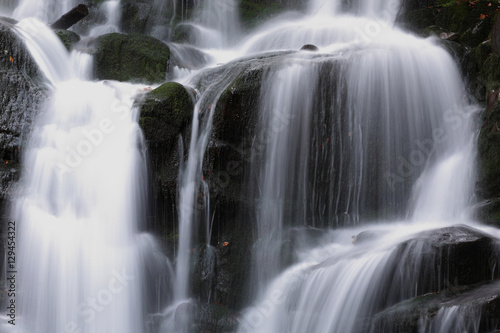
{"x":418,"y":19}
{"x":140,"y":16}
{"x":67,"y":37}
{"x":483,"y":51}
{"x":23,"y":90}
{"x":165,"y":117}
{"x":168,"y":107}
{"x":134,"y":57}
{"x":419,"y":314}
{"x":490,"y":72}
{"x":488,"y":165}
{"x":477,"y":34}
{"x":461,"y":16}
{"x":432,"y":30}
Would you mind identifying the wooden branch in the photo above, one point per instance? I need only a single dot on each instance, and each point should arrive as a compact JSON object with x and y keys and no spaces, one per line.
{"x":71,"y":17}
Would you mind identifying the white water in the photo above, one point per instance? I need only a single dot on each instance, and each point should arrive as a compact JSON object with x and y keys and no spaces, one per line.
{"x":406,"y":86}
{"x":81,"y":257}
{"x":111,"y":9}
{"x":45,"y":10}
{"x":216,"y":24}
{"x":401,"y":142}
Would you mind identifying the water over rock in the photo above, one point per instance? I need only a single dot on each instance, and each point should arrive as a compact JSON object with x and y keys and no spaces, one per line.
{"x":166,"y":114}
{"x":68,"y":37}
{"x":477,"y":308}
{"x":488,"y":162}
{"x":22,"y":90}
{"x":456,"y":255}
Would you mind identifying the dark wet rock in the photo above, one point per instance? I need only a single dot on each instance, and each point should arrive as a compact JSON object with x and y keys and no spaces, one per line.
{"x":67,"y":37}
{"x":254,"y":12}
{"x":476,"y":34}
{"x":474,"y":309}
{"x":417,"y":19}
{"x":22,"y":91}
{"x":488,"y":186}
{"x":165,"y":118}
{"x":433,"y":260}
{"x":451,"y":36}
{"x":432,"y":30}
{"x":309,"y":47}
{"x":366,"y":236}
{"x":483,"y":51}
{"x":495,"y":36}
{"x":187,"y":57}
{"x":133,"y":57}
{"x":215,"y":318}
{"x":135,"y":15}
{"x":183,"y":33}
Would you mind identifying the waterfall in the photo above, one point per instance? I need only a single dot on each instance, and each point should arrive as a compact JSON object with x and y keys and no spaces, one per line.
{"x":388,"y":136}
{"x":112,"y":11}
{"x":82,"y":203}
{"x":364,"y":148}
{"x":216,"y":24}
{"x":44,"y":10}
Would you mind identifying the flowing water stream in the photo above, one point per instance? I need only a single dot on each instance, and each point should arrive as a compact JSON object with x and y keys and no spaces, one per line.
{"x":374,"y":131}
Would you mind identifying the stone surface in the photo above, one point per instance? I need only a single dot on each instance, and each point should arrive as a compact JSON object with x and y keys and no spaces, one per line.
{"x":22,"y":91}
{"x":423,"y":313}
{"x":134,"y":57}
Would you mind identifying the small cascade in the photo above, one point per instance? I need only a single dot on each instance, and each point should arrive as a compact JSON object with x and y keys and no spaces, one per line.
{"x":387,"y":136}
{"x":386,"y":10}
{"x":216,"y":24}
{"x":44,"y":10}
{"x":111,"y":9}
{"x":82,"y":258}
{"x":368,"y":131}
{"x":285,"y":121}
{"x":455,"y":319}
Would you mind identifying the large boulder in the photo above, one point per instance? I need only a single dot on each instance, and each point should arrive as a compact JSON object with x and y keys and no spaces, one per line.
{"x":134,"y":57}
{"x":458,"y":309}
{"x":165,"y":118}
{"x":489,"y":166}
{"x":22,"y":93}
{"x":432,"y":260}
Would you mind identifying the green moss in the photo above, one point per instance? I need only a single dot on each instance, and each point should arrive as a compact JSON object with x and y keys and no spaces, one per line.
{"x":68,"y":38}
{"x":252,"y":13}
{"x":489,"y":162}
{"x":131,"y":57}
{"x":165,"y":111}
{"x":483,"y":51}
{"x":490,"y":72}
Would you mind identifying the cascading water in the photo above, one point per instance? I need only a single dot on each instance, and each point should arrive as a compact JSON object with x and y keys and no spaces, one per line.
{"x":374,"y":127}
{"x":44,"y":10}
{"x":112,"y":12}
{"x":216,"y":24}
{"x":391,"y":136}
{"x":82,"y":259}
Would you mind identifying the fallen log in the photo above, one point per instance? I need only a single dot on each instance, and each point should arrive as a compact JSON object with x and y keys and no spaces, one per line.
{"x":71,"y":17}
